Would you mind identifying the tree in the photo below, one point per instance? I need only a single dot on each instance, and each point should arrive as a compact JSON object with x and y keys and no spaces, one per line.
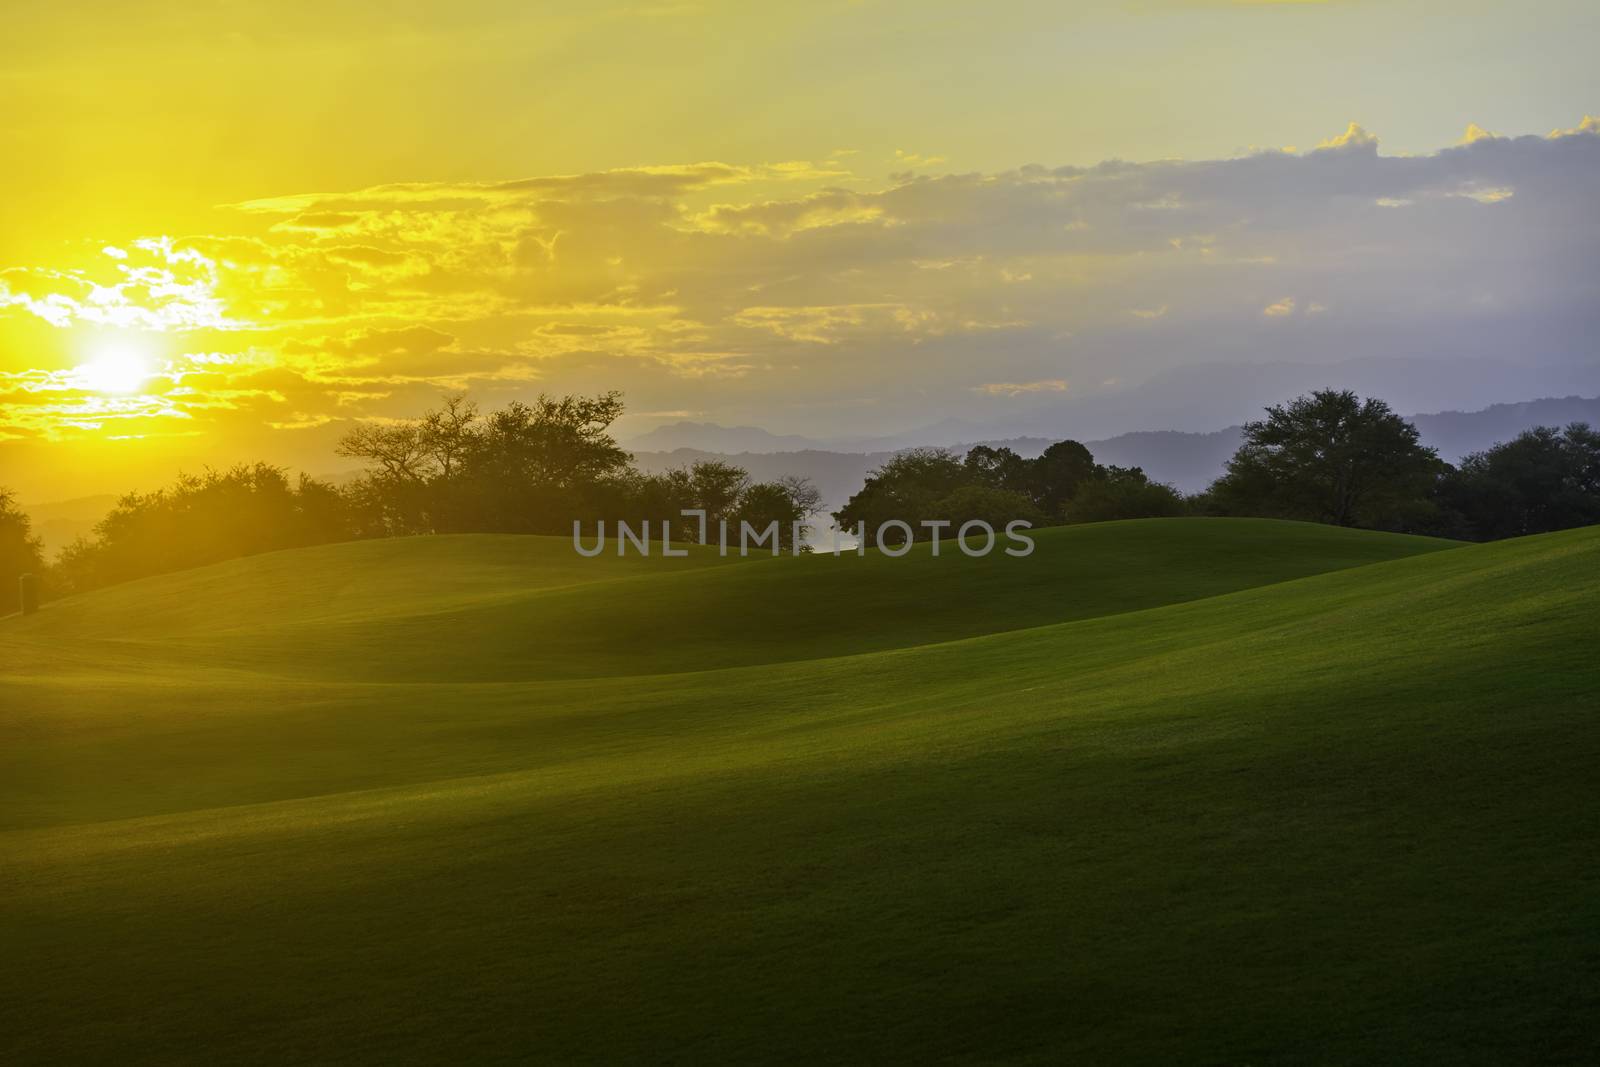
{"x":716,"y":488}
{"x":533,"y":468}
{"x":1054,"y":477}
{"x":20,"y":552}
{"x":527,"y":468}
{"x":1545,"y":479}
{"x":563,"y":442}
{"x":908,"y":487}
{"x":997,"y":507}
{"x":806,"y":496}
{"x":998,"y":486}
{"x":392,"y":495}
{"x":1330,"y":457}
{"x":787,"y":502}
{"x":446,"y":435}
{"x":720,"y":490}
{"x":997,"y":468}
{"x":397,"y":450}
{"x":1123,"y":493}
{"x":203,"y":519}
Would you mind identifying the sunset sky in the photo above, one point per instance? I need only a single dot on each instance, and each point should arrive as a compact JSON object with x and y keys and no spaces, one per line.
{"x":232,"y":230}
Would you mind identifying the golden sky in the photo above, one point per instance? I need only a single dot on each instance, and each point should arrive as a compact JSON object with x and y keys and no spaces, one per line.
{"x":232,"y":229}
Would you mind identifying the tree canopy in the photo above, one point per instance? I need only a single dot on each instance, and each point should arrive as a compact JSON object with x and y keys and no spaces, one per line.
{"x":1330,"y":457}
{"x":997,"y":486}
{"x":202,"y":519}
{"x":537,"y":467}
{"x":1544,"y":479}
{"x":20,"y":552}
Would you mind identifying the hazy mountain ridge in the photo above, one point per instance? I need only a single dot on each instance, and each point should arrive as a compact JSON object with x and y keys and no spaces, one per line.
{"x":59,"y":523}
{"x":1457,"y":433}
{"x":710,"y":436}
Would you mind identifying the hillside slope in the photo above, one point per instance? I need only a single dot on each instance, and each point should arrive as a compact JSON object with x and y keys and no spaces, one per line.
{"x":481,"y":608}
{"x":1332,"y":818}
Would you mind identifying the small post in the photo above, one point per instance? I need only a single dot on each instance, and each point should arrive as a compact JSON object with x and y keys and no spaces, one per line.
{"x":28,"y":593}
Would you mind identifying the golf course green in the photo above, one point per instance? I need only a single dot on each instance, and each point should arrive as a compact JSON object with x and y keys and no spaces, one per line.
{"x":1180,"y":790}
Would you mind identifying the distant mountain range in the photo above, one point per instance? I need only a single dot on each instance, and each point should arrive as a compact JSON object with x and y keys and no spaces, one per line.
{"x":1189,"y":461}
{"x":62,"y":522}
{"x":709,"y":437}
{"x":1456,"y":433}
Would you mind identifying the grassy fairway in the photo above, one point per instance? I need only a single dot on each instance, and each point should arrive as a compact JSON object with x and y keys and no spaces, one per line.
{"x":1222,"y":791}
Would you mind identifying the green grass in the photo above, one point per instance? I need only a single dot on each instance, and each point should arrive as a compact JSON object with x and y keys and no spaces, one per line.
{"x":477,"y":609}
{"x":1193,"y":790}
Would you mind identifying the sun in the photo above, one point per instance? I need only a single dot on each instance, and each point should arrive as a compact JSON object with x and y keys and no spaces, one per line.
{"x":116,"y":367}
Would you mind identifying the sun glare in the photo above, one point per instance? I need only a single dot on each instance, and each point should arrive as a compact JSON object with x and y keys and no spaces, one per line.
{"x":116,"y":367}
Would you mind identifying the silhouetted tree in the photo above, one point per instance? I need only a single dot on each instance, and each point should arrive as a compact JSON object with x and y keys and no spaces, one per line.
{"x":997,"y":468}
{"x":998,"y":486}
{"x":715,"y":488}
{"x":537,"y":468}
{"x":997,"y":507}
{"x":447,"y":435}
{"x":722,"y":491}
{"x":20,"y":552}
{"x":396,"y":450}
{"x":1122,"y":493}
{"x":205,"y":519}
{"x":392,"y":496}
{"x":527,"y":468}
{"x":1544,"y":479}
{"x":785,"y":503}
{"x":806,"y":496}
{"x":908,"y":487}
{"x":1055,"y":476}
{"x":1330,"y":457}
{"x":557,"y":441}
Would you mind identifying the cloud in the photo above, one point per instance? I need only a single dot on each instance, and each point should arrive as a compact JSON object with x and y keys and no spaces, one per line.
{"x":1353,"y":137}
{"x":407,"y":341}
{"x":336,"y":209}
{"x":1589,"y":124}
{"x":783,"y":218}
{"x":770,"y":289}
{"x":833,"y":324}
{"x":1012,"y":389}
{"x":160,"y":285}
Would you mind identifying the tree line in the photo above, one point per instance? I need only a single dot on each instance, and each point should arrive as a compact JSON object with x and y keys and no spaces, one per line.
{"x":1063,"y":484}
{"x":527,"y":468}
{"x":1329,"y":457}
{"x":535,"y":468}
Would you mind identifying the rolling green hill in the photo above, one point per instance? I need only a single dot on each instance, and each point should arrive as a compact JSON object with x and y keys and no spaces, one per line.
{"x":1214,"y":790}
{"x":478,"y":608}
